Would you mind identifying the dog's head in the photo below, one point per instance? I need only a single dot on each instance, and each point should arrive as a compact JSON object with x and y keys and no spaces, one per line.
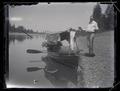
{"x":52,"y":37}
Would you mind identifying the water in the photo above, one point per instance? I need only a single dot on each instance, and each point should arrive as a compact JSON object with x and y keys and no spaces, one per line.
{"x":27,"y":70}
{"x":20,"y":60}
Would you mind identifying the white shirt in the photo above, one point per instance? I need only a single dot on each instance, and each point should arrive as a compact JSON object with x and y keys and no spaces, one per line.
{"x":72,"y":35}
{"x":92,"y":27}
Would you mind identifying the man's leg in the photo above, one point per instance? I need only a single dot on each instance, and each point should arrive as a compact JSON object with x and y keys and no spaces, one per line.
{"x":93,"y":44}
{"x":90,"y":45}
{"x":88,"y":41}
{"x":91,"y":52}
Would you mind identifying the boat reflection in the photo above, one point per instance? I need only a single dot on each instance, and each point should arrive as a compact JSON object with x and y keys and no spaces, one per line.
{"x":61,"y":71}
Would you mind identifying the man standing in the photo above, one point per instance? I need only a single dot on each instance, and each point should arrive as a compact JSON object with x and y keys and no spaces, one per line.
{"x":91,"y":28}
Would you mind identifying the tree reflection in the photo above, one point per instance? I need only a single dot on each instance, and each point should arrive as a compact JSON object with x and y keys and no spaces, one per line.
{"x":19,"y":38}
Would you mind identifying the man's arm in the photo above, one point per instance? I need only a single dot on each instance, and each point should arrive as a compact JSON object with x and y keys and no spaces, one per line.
{"x":97,"y":26}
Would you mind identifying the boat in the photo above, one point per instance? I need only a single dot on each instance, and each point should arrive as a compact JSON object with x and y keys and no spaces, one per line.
{"x":63,"y":55}
{"x":61,"y":69}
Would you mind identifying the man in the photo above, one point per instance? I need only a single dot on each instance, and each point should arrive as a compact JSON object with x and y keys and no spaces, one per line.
{"x":91,"y":28}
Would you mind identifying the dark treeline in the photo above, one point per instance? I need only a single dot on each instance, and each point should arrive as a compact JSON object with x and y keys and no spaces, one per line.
{"x":105,"y":20}
{"x":21,"y":29}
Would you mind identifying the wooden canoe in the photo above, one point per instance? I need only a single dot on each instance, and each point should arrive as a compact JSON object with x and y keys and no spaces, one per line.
{"x":63,"y":57}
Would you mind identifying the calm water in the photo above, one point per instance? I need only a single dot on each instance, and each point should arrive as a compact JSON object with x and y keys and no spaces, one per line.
{"x":97,"y":71}
{"x":19,"y":61}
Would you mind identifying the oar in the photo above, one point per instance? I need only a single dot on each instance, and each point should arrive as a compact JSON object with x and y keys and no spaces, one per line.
{"x":31,"y":61}
{"x":30,"y":69}
{"x":35,"y":51}
{"x":32,"y":51}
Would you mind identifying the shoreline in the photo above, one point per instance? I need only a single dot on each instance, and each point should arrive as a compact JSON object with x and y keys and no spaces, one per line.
{"x":24,"y":34}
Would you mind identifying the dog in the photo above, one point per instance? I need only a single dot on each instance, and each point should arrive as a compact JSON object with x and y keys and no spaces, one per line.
{"x":68,"y":35}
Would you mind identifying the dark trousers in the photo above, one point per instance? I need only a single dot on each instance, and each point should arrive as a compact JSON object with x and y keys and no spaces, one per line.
{"x":90,"y":40}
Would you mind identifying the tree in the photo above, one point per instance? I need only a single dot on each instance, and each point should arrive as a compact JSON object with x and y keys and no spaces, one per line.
{"x":11,"y":28}
{"x":103,"y":22}
{"x":20,"y":29}
{"x":109,"y":14}
{"x":97,"y":14}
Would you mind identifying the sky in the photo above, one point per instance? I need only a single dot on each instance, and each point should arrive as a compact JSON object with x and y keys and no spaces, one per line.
{"x":52,"y":17}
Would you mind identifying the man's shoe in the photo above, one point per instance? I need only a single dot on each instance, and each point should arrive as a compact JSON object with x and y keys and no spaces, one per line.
{"x":92,"y":55}
{"x":89,"y":55}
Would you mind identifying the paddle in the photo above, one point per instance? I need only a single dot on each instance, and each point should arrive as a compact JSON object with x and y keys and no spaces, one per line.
{"x":31,"y":61}
{"x":30,"y":69}
{"x":35,"y":51}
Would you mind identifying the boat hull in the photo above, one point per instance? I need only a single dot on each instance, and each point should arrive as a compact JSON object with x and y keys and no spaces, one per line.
{"x":66,"y":60}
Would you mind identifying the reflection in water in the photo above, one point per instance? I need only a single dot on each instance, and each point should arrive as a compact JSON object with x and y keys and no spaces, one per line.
{"x":59,"y":71}
{"x":21,"y":38}
{"x":61,"y":74}
{"x":30,"y":69}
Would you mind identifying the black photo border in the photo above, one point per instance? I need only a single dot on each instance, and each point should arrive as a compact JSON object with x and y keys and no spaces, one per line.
{"x":4,"y":39}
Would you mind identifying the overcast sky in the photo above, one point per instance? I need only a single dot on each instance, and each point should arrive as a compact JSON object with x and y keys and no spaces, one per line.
{"x":52,"y":17}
